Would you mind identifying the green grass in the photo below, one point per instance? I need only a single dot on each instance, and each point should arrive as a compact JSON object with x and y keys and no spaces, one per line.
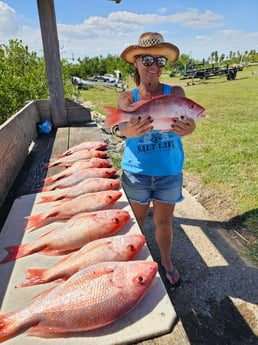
{"x":222,"y":151}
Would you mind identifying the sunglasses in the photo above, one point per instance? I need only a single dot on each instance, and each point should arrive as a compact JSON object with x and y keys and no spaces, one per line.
{"x":148,"y":60}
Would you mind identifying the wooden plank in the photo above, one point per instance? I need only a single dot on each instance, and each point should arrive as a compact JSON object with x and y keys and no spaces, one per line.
{"x":76,"y":113}
{"x":52,"y":56}
{"x":79,"y":134}
{"x":60,"y":145}
{"x":44,"y":109}
{"x":15,"y":139}
{"x":33,"y":171}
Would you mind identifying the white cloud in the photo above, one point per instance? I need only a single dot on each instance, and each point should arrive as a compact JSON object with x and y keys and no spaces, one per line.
{"x":8,"y":23}
{"x":162,"y":10}
{"x":224,"y":41}
{"x":121,"y":28}
{"x":190,"y":18}
{"x":110,"y":35}
{"x":100,"y":35}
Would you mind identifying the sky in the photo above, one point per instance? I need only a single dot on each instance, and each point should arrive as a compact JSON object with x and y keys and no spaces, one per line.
{"x":101,"y":27}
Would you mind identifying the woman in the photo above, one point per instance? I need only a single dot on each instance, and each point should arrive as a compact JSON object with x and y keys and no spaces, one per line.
{"x":152,"y":162}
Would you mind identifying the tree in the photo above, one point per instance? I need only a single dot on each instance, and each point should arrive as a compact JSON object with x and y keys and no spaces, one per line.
{"x":22,"y":78}
{"x":222,"y":57}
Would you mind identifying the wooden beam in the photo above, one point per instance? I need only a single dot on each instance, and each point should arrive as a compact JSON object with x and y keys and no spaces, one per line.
{"x":48,"y":26}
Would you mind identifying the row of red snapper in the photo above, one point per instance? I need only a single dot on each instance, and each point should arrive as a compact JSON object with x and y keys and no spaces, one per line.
{"x":97,"y":267}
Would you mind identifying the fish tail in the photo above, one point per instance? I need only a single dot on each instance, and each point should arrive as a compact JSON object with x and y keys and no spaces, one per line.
{"x":35,"y":221}
{"x":49,"y":198}
{"x":34,"y":277}
{"x":49,"y":179}
{"x":45,"y":166}
{"x":14,"y":252}
{"x":47,"y":188}
{"x":113,"y":116}
{"x":52,"y":164}
{"x":66,"y":153}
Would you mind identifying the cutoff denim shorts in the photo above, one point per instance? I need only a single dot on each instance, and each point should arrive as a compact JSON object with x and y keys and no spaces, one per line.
{"x":143,"y":189}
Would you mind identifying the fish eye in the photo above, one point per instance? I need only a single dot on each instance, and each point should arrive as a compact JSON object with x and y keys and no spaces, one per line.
{"x":116,"y":220}
{"x":131,"y":246}
{"x":192,"y":106}
{"x":140,"y":280}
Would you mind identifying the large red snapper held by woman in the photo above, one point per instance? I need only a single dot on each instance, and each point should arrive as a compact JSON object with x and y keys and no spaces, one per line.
{"x":66,"y":209}
{"x":73,"y":234}
{"x":162,"y":110}
{"x":115,"y":248}
{"x":90,"y":185}
{"x":92,"y":298}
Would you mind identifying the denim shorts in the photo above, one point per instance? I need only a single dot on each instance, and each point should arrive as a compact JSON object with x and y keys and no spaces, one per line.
{"x":143,"y":189}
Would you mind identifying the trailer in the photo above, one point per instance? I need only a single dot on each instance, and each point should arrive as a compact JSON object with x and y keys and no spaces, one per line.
{"x":82,"y":83}
{"x":204,"y":73}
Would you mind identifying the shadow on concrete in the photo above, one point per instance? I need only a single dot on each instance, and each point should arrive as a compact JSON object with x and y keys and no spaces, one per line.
{"x":207,"y":297}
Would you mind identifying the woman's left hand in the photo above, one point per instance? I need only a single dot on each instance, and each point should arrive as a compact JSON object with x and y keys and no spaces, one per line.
{"x":183,"y":126}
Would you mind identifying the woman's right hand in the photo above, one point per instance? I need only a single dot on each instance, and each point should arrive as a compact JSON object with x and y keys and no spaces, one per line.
{"x":136,"y":127}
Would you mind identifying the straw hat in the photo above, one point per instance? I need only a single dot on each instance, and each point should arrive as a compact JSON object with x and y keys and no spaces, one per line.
{"x":151,"y":43}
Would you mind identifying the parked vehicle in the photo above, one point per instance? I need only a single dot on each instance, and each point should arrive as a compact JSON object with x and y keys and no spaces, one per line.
{"x":109,"y":78}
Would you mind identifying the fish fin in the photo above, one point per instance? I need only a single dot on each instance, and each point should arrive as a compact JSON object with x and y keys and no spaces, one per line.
{"x":8,"y":326}
{"x":95,"y":244}
{"x":136,"y":105}
{"x":43,"y":293}
{"x":46,"y":332}
{"x":14,"y":252}
{"x":33,"y":277}
{"x":113,"y":116}
{"x":60,"y":156}
{"x":166,"y":130}
{"x":54,"y":252}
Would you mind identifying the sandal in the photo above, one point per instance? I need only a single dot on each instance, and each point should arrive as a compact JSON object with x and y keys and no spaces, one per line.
{"x":172,"y":274}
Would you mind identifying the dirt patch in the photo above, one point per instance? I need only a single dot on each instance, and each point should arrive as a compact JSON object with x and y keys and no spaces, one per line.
{"x":222,"y":208}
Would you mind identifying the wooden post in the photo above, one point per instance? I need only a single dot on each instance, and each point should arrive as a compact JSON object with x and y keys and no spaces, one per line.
{"x":48,"y":26}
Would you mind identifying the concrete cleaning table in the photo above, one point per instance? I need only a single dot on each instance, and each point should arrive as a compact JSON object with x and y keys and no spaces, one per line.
{"x":153,"y":316}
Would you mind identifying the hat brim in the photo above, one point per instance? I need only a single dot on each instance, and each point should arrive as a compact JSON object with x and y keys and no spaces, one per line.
{"x":170,"y":51}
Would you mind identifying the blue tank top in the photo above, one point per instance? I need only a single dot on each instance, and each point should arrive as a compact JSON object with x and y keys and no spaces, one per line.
{"x":155,"y":153}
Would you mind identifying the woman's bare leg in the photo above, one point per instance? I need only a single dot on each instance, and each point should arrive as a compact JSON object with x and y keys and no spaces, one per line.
{"x":163,"y":214}
{"x":140,"y":212}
